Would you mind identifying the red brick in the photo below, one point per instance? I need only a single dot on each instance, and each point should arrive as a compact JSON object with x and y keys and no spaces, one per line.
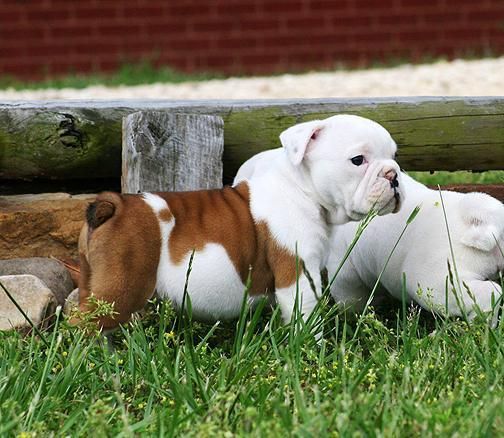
{"x":488,"y":16}
{"x":165,"y":30}
{"x":11,"y":16}
{"x":382,"y":5}
{"x":236,"y":43}
{"x":259,"y":24}
{"x":325,"y":6}
{"x":135,"y":12}
{"x":398,"y":19}
{"x":443,"y":17}
{"x":123,"y":30}
{"x":353,"y":21}
{"x":282,"y":6}
{"x":48,"y":15}
{"x":199,"y":9}
{"x":187,"y":44}
{"x":306,"y":23}
{"x":236,"y":8}
{"x":21,"y":34}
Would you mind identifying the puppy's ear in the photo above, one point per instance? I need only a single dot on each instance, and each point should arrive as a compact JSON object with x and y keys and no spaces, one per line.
{"x":297,"y":138}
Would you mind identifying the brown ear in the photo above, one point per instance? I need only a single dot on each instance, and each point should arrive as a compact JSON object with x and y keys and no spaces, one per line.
{"x":99,"y":212}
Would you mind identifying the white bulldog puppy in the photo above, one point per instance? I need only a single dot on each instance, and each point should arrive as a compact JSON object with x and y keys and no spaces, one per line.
{"x":328,"y":172}
{"x":476,"y":227}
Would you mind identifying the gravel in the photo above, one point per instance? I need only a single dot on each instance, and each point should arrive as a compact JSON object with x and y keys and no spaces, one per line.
{"x":456,"y":78}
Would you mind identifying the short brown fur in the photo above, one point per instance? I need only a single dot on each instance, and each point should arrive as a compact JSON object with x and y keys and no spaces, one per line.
{"x":120,"y":260}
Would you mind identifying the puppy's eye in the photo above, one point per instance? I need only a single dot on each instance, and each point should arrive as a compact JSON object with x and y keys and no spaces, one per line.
{"x":357,"y":160}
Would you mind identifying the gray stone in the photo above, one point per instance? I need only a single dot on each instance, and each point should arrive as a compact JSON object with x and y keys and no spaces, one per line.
{"x":54,"y":275}
{"x":32,"y":295}
{"x":71,"y":302}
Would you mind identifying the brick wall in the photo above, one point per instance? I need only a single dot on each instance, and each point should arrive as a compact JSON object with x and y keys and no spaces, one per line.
{"x":240,"y":36}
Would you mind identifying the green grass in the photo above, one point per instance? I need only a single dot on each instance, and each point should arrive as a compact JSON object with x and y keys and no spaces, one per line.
{"x":128,"y":74}
{"x":393,"y":371}
{"x":404,"y":373}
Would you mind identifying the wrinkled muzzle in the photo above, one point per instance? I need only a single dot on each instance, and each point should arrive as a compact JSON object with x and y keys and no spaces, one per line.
{"x":380,"y":190}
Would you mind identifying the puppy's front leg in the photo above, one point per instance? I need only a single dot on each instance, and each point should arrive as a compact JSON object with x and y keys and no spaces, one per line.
{"x":304,"y":293}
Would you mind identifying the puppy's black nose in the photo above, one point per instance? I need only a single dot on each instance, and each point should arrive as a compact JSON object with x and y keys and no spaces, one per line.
{"x":394,"y":182}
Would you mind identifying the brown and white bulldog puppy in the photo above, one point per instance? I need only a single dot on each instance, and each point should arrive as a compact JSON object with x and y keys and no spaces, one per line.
{"x":329,"y":171}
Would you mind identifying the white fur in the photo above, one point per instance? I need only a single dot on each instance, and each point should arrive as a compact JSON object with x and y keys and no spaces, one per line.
{"x":214,"y":286}
{"x":155,"y":202}
{"x":476,"y":224}
{"x":310,"y":184}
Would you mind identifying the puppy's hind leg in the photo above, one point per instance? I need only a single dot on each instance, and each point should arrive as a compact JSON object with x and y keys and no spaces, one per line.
{"x":483,"y":296}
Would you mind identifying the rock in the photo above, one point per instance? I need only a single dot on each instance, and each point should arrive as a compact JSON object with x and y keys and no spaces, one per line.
{"x":71,"y":302}
{"x":53,"y":273}
{"x":41,"y":225}
{"x":32,"y":295}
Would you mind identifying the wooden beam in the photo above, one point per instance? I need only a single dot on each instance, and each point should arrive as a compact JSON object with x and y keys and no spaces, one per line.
{"x":62,"y":140}
{"x":163,"y":152}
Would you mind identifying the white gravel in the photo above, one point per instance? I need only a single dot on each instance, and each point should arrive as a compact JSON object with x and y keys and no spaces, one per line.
{"x":457,"y":78}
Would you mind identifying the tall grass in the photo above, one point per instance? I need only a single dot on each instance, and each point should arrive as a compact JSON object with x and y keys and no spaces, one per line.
{"x":405,"y":373}
{"x":399,"y":371}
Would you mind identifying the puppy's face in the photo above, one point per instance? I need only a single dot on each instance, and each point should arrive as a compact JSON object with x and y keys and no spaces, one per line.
{"x":349,"y":161}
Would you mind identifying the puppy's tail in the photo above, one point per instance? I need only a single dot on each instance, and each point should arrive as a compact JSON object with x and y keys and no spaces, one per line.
{"x":102,"y":209}
{"x":483,"y":217}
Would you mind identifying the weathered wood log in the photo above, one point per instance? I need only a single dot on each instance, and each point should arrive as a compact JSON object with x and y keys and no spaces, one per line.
{"x":162,"y":151}
{"x":78,"y":139}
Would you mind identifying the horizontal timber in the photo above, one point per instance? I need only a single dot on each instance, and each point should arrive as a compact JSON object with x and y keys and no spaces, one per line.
{"x":82,"y":139}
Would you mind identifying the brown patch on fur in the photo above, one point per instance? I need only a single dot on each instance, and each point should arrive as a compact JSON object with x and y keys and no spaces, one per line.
{"x":119,"y":259}
{"x":165,"y":215}
{"x":282,"y":261}
{"x":223,"y":217}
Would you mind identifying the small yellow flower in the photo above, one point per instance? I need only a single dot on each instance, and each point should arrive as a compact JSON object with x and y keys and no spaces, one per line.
{"x":64,"y":354}
{"x":171,"y":402}
{"x":170,"y":336}
{"x":120,"y":362}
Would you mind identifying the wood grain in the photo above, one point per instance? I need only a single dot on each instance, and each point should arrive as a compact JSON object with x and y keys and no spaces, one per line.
{"x":65,"y":140}
{"x":171,"y":152}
